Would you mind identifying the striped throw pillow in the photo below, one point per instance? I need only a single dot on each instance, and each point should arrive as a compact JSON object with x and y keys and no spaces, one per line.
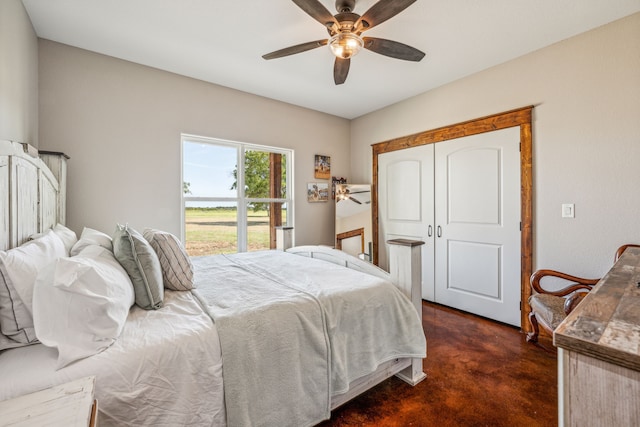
{"x":177,"y":270}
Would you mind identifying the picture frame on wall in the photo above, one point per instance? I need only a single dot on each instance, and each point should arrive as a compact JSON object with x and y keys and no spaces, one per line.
{"x":317,"y":192}
{"x":335,"y":180}
{"x":322,"y":167}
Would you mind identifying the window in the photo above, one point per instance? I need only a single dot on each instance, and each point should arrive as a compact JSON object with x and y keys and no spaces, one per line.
{"x":218,"y":216}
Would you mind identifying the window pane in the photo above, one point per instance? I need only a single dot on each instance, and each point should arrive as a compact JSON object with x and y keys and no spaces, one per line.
{"x":258,"y":228}
{"x":211,"y":228}
{"x":209,"y":170}
{"x":283,"y":213}
{"x":261,"y":225}
{"x":283,"y":176}
{"x":213,"y":195}
{"x":265,"y":174}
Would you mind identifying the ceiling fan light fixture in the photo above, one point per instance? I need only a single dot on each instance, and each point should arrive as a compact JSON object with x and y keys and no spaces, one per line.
{"x":345,"y":45}
{"x":345,"y":29}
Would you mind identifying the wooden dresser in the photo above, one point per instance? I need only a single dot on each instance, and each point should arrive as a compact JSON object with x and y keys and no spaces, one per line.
{"x":599,"y":352}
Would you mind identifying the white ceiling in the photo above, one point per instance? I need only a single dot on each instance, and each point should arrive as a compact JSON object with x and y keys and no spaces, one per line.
{"x":222,"y":41}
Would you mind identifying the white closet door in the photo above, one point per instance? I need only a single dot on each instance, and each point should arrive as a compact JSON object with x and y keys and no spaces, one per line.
{"x":405,"y":190}
{"x":477,"y":258}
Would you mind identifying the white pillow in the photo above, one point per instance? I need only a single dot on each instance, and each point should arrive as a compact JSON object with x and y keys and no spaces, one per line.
{"x":89,"y":237}
{"x":19,"y":268}
{"x":80,"y":304}
{"x":65,"y":234}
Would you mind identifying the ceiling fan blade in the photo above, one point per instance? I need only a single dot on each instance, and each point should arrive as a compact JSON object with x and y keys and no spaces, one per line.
{"x":317,"y":11}
{"x":341,"y":70}
{"x":393,"y":49}
{"x":295,"y":49}
{"x":381,"y":11}
{"x":355,"y":200}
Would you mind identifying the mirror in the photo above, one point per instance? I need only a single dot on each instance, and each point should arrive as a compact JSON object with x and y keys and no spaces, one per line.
{"x":353,"y":220}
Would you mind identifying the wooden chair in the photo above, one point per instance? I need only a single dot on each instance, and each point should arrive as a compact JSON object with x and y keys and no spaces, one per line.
{"x":550,"y":308}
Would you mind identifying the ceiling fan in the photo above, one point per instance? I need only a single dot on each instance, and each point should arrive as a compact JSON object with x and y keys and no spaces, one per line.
{"x":345,"y":30}
{"x":344,"y":193}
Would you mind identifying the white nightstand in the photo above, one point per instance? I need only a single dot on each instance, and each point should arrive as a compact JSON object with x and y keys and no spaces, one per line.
{"x":71,"y":404}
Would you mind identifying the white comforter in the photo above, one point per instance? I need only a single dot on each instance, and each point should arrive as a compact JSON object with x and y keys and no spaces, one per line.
{"x":295,"y":331}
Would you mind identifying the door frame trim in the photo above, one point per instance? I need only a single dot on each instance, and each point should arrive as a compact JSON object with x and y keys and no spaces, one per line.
{"x":348,"y":234}
{"x":519,"y":117}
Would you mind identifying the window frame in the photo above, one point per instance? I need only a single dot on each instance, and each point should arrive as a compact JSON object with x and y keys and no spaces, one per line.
{"x":240,"y":200}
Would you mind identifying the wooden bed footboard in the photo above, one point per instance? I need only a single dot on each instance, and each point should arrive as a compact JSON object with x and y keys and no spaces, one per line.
{"x":341,"y":258}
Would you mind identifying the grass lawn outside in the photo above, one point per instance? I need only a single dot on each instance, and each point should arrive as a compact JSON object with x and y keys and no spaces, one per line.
{"x":211,"y":231}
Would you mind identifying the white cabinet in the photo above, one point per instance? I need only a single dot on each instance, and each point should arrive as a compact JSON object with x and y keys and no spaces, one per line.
{"x":66,"y":405}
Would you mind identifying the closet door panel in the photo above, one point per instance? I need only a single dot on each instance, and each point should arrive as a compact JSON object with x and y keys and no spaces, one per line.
{"x":477,"y":199}
{"x":405,"y":187}
{"x":405,"y":201}
{"x":485,"y":279}
{"x":473,"y":187}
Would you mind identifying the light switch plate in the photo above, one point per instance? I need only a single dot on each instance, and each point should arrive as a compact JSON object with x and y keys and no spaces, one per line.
{"x":568,"y":210}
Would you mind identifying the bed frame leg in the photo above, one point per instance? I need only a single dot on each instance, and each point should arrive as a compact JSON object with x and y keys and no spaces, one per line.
{"x":405,"y":261}
{"x":412,"y":374}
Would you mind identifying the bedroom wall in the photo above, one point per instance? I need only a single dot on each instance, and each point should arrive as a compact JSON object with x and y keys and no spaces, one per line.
{"x":586,"y":138}
{"x":18,"y":74}
{"x":121,"y":123}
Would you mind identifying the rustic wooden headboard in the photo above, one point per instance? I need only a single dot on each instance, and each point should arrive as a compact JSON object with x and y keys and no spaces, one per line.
{"x":32,"y":192}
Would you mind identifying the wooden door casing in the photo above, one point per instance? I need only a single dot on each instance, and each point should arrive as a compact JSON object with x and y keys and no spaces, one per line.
{"x":521,"y":117}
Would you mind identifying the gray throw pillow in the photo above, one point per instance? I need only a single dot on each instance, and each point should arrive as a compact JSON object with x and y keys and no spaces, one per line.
{"x":177,"y":270}
{"x":140,"y":261}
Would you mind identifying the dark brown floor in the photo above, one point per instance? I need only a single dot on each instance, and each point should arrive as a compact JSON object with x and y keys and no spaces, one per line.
{"x":479,"y":373}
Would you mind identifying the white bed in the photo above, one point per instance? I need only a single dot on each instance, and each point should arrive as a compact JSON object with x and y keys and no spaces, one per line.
{"x":165,"y":368}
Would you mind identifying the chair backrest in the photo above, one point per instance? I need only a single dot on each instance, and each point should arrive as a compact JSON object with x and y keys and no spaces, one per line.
{"x":623,"y":248}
